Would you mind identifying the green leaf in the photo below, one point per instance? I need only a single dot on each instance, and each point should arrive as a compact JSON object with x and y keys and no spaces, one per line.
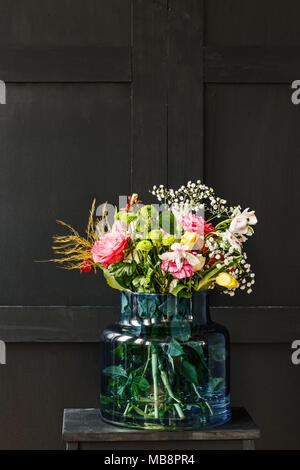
{"x":196,"y":347}
{"x":115,"y":371}
{"x":168,"y":307}
{"x":178,"y":288}
{"x":139,"y":411}
{"x":149,"y":275}
{"x":122,"y":269}
{"x":218,"y":352}
{"x":185,"y":294}
{"x":122,"y":386}
{"x":106,"y":400}
{"x":147,"y":306}
{"x":181,"y":291}
{"x":111,"y":281}
{"x":175,"y":349}
{"x":119,"y":351}
{"x":141,"y":383}
{"x":167,"y":222}
{"x":137,"y":281}
{"x":120,"y":389}
{"x":123,"y":273}
{"x":171,"y":361}
{"x":216,"y":383}
{"x":180,"y":328}
{"x":189,"y":371}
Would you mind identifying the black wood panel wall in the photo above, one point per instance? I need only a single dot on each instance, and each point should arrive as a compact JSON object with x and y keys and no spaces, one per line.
{"x":109,"y":96}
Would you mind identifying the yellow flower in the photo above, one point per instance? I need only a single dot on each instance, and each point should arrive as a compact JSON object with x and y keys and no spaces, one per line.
{"x":189,"y":239}
{"x":226,"y":280}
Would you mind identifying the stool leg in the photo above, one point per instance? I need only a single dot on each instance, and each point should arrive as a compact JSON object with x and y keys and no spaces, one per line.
{"x":248,"y":444}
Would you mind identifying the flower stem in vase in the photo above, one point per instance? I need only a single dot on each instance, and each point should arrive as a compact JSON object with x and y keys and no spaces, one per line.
{"x":164,"y":378}
{"x":166,"y":383}
{"x":148,"y":360}
{"x":127,"y":409}
{"x":201,"y":398}
{"x":179,"y":410}
{"x":154,"y":362}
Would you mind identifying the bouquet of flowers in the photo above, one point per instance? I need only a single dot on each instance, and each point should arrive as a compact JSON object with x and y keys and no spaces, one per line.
{"x":190,"y":241}
{"x":163,"y":369}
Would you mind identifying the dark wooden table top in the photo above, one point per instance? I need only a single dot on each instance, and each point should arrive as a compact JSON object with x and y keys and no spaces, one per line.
{"x":86,"y":425}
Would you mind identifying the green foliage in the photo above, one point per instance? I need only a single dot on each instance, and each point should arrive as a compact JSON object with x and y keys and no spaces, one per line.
{"x":111,"y":281}
{"x":180,"y":368}
{"x":174,"y":348}
{"x":216,"y":383}
{"x":189,"y":371}
{"x":123,"y":273}
{"x":141,"y":383}
{"x":126,"y":217}
{"x":138,"y":281}
{"x":119,"y":351}
{"x":148,"y":212}
{"x":167,"y":222}
{"x":177,"y":365}
{"x":218,"y":352}
{"x":143,"y":225}
{"x":115,"y":371}
{"x":105,"y":400}
{"x":181,"y":290}
{"x":155,"y":236}
{"x":180,"y":328}
{"x":196,"y":347}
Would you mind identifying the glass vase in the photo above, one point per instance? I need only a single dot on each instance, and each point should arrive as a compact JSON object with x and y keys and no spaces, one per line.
{"x":165,"y":365}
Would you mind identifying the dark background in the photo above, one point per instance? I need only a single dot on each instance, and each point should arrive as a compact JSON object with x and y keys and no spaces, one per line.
{"x":109,"y":96}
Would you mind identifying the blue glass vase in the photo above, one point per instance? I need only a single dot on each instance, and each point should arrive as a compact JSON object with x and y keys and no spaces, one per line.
{"x":165,"y":365}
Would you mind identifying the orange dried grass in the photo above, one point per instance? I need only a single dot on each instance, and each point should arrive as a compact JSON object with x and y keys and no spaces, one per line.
{"x":73,"y":249}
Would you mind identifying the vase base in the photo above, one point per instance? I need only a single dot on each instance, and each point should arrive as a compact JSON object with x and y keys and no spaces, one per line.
{"x":188,"y":423}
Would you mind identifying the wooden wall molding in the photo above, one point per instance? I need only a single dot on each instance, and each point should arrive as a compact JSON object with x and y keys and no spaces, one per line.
{"x":66,"y":64}
{"x":84,"y":324}
{"x":252,"y":64}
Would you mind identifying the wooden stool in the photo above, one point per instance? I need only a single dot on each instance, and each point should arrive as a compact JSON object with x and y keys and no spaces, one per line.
{"x":84,"y":429}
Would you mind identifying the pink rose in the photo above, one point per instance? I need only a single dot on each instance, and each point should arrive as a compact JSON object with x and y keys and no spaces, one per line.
{"x":194,"y":223}
{"x":109,"y":249}
{"x":185,"y":271}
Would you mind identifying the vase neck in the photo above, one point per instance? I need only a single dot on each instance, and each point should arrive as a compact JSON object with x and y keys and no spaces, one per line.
{"x":200,"y":308}
{"x":147,"y":309}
